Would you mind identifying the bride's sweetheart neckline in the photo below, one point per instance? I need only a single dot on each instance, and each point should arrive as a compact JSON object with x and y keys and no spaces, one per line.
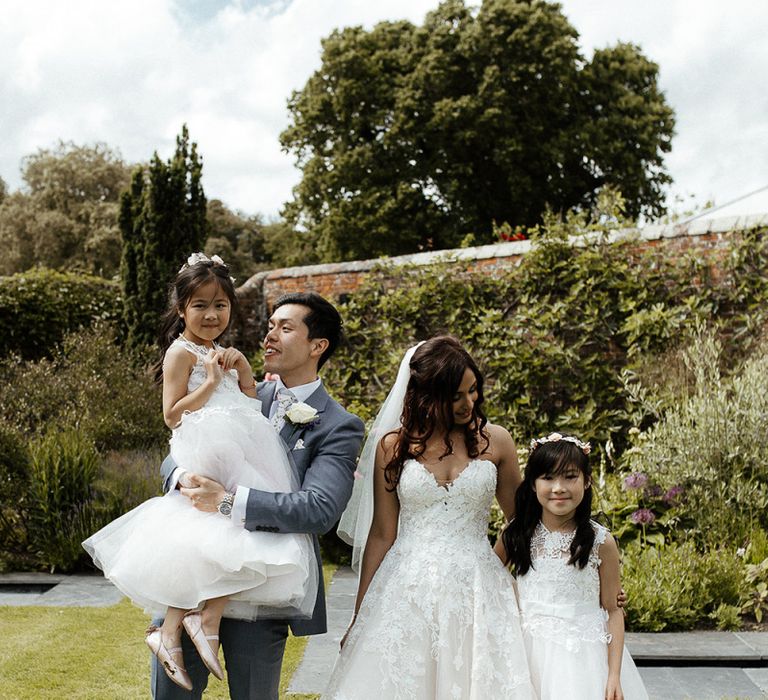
{"x":448,"y":484}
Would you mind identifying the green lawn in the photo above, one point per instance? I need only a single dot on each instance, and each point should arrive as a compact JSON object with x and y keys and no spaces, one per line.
{"x":92,"y":654}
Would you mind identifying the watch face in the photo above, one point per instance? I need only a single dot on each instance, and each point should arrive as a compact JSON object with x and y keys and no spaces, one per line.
{"x":225,"y":508}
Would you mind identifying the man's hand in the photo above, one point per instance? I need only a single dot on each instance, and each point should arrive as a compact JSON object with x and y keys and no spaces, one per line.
{"x":621,"y":600}
{"x":205,"y":494}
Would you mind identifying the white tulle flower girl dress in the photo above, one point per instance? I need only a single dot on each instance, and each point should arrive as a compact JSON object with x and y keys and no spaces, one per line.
{"x":564,"y":626}
{"x":166,"y":553}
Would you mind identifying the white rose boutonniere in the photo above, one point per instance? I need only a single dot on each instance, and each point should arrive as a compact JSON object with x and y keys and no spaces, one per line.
{"x":302,"y":414}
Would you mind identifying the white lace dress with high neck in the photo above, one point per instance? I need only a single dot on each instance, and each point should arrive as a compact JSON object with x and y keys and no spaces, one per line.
{"x":167,"y":553}
{"x":564,"y":627}
{"x":439,"y":620}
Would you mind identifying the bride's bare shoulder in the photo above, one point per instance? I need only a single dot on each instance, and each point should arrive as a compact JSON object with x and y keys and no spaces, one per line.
{"x":500,"y":442}
{"x":388,"y":443}
{"x":498,"y":433}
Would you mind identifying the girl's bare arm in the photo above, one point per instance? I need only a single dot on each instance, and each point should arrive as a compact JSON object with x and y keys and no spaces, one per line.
{"x":610,"y":585}
{"x":177,"y":365}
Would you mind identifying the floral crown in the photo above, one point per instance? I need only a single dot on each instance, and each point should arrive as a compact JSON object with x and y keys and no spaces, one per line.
{"x":202,"y":257}
{"x":585,"y":447}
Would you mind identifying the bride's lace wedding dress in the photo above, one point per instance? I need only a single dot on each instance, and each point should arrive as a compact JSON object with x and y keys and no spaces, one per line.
{"x":440,"y":619}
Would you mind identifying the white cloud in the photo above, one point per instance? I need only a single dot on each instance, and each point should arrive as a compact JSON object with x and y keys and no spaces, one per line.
{"x":130,"y":74}
{"x":713,"y":61}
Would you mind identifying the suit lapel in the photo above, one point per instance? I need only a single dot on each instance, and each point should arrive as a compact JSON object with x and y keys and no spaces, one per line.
{"x":266,"y":394}
{"x":318,"y":400}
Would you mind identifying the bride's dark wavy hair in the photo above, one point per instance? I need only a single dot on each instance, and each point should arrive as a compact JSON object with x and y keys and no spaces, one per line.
{"x":549,"y":459}
{"x":437,"y":368}
{"x":189,"y":279}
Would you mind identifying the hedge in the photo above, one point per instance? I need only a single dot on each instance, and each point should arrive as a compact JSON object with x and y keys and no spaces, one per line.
{"x":38,"y":308}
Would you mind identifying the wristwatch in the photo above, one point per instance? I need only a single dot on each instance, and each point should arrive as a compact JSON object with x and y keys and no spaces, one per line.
{"x":225,"y":507}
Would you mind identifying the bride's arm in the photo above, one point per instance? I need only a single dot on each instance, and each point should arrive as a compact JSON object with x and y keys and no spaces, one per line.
{"x":386,"y":511}
{"x":509,"y":477}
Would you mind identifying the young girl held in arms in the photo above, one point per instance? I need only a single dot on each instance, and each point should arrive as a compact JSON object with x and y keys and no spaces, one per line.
{"x":166,"y":555}
{"x":567,"y":569}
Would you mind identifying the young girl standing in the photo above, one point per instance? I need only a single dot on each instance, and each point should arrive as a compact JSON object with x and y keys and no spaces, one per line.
{"x":166,"y":555}
{"x":567,"y":569}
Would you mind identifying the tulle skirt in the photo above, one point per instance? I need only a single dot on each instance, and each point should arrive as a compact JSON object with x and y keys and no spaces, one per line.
{"x":579,"y":673}
{"x":167,"y":553}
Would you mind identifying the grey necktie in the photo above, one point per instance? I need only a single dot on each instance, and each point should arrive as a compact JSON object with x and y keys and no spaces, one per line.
{"x":285,"y":399}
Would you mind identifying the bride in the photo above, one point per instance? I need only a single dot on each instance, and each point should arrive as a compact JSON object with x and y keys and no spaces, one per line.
{"x":435,"y":614}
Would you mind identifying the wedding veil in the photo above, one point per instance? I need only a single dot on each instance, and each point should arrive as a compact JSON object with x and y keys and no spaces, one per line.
{"x":356,"y":520}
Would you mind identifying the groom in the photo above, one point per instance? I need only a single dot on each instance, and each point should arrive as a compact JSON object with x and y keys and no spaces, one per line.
{"x":323,"y":440}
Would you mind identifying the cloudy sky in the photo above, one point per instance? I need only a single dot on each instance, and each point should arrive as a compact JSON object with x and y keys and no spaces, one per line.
{"x":130,"y":72}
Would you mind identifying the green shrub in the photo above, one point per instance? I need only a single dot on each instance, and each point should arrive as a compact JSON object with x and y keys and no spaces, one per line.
{"x":756,"y":550}
{"x":727,"y":617}
{"x":63,"y":469}
{"x":714,"y":444}
{"x":14,"y":468}
{"x":90,"y":384}
{"x":676,"y":587}
{"x":38,"y":308}
{"x":557,"y":335}
{"x":65,"y":492}
{"x":755,"y":600}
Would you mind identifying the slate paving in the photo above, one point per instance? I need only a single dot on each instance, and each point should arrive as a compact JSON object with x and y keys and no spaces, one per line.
{"x":65,"y":591}
{"x":742,"y":657}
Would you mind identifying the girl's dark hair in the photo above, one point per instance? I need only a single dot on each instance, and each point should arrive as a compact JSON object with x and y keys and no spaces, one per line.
{"x":437,"y":369}
{"x":551,"y":458}
{"x":189,"y":279}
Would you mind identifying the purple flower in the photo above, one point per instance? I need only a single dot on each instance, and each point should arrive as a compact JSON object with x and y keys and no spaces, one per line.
{"x":672,"y":497}
{"x":636,"y":480}
{"x":643,"y":516}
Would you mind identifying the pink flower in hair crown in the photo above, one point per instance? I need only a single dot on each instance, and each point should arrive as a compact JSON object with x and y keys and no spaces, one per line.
{"x":585,"y":447}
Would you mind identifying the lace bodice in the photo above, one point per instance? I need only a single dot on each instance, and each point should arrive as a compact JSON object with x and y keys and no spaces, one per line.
{"x":558,"y":599}
{"x":458,"y":512}
{"x":228,"y":389}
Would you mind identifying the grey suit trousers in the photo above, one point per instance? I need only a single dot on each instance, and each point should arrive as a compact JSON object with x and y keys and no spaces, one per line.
{"x":251,"y":676}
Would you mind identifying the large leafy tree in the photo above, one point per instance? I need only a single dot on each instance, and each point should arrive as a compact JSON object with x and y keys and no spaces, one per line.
{"x":65,"y":217}
{"x":410,"y":137}
{"x":163,"y":221}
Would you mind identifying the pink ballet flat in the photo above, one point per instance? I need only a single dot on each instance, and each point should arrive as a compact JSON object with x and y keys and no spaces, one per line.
{"x":193,"y":623}
{"x":178,"y":674}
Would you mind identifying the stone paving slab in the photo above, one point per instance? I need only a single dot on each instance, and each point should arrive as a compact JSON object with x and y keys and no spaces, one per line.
{"x":321,"y":652}
{"x":749,"y":647}
{"x":708,"y":683}
{"x":68,"y":591}
{"x":757,"y":640}
{"x":759,"y":676}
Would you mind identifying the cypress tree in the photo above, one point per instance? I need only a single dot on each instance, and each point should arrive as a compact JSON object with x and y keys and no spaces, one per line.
{"x":163,"y":221}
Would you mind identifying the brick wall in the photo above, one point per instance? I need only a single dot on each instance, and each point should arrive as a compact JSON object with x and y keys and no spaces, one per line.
{"x":336,"y":280}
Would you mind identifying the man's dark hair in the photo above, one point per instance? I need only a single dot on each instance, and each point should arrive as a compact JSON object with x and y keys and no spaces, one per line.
{"x":323,"y":320}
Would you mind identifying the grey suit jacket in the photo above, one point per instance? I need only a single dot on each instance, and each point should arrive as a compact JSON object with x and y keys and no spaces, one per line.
{"x":325,"y":464}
